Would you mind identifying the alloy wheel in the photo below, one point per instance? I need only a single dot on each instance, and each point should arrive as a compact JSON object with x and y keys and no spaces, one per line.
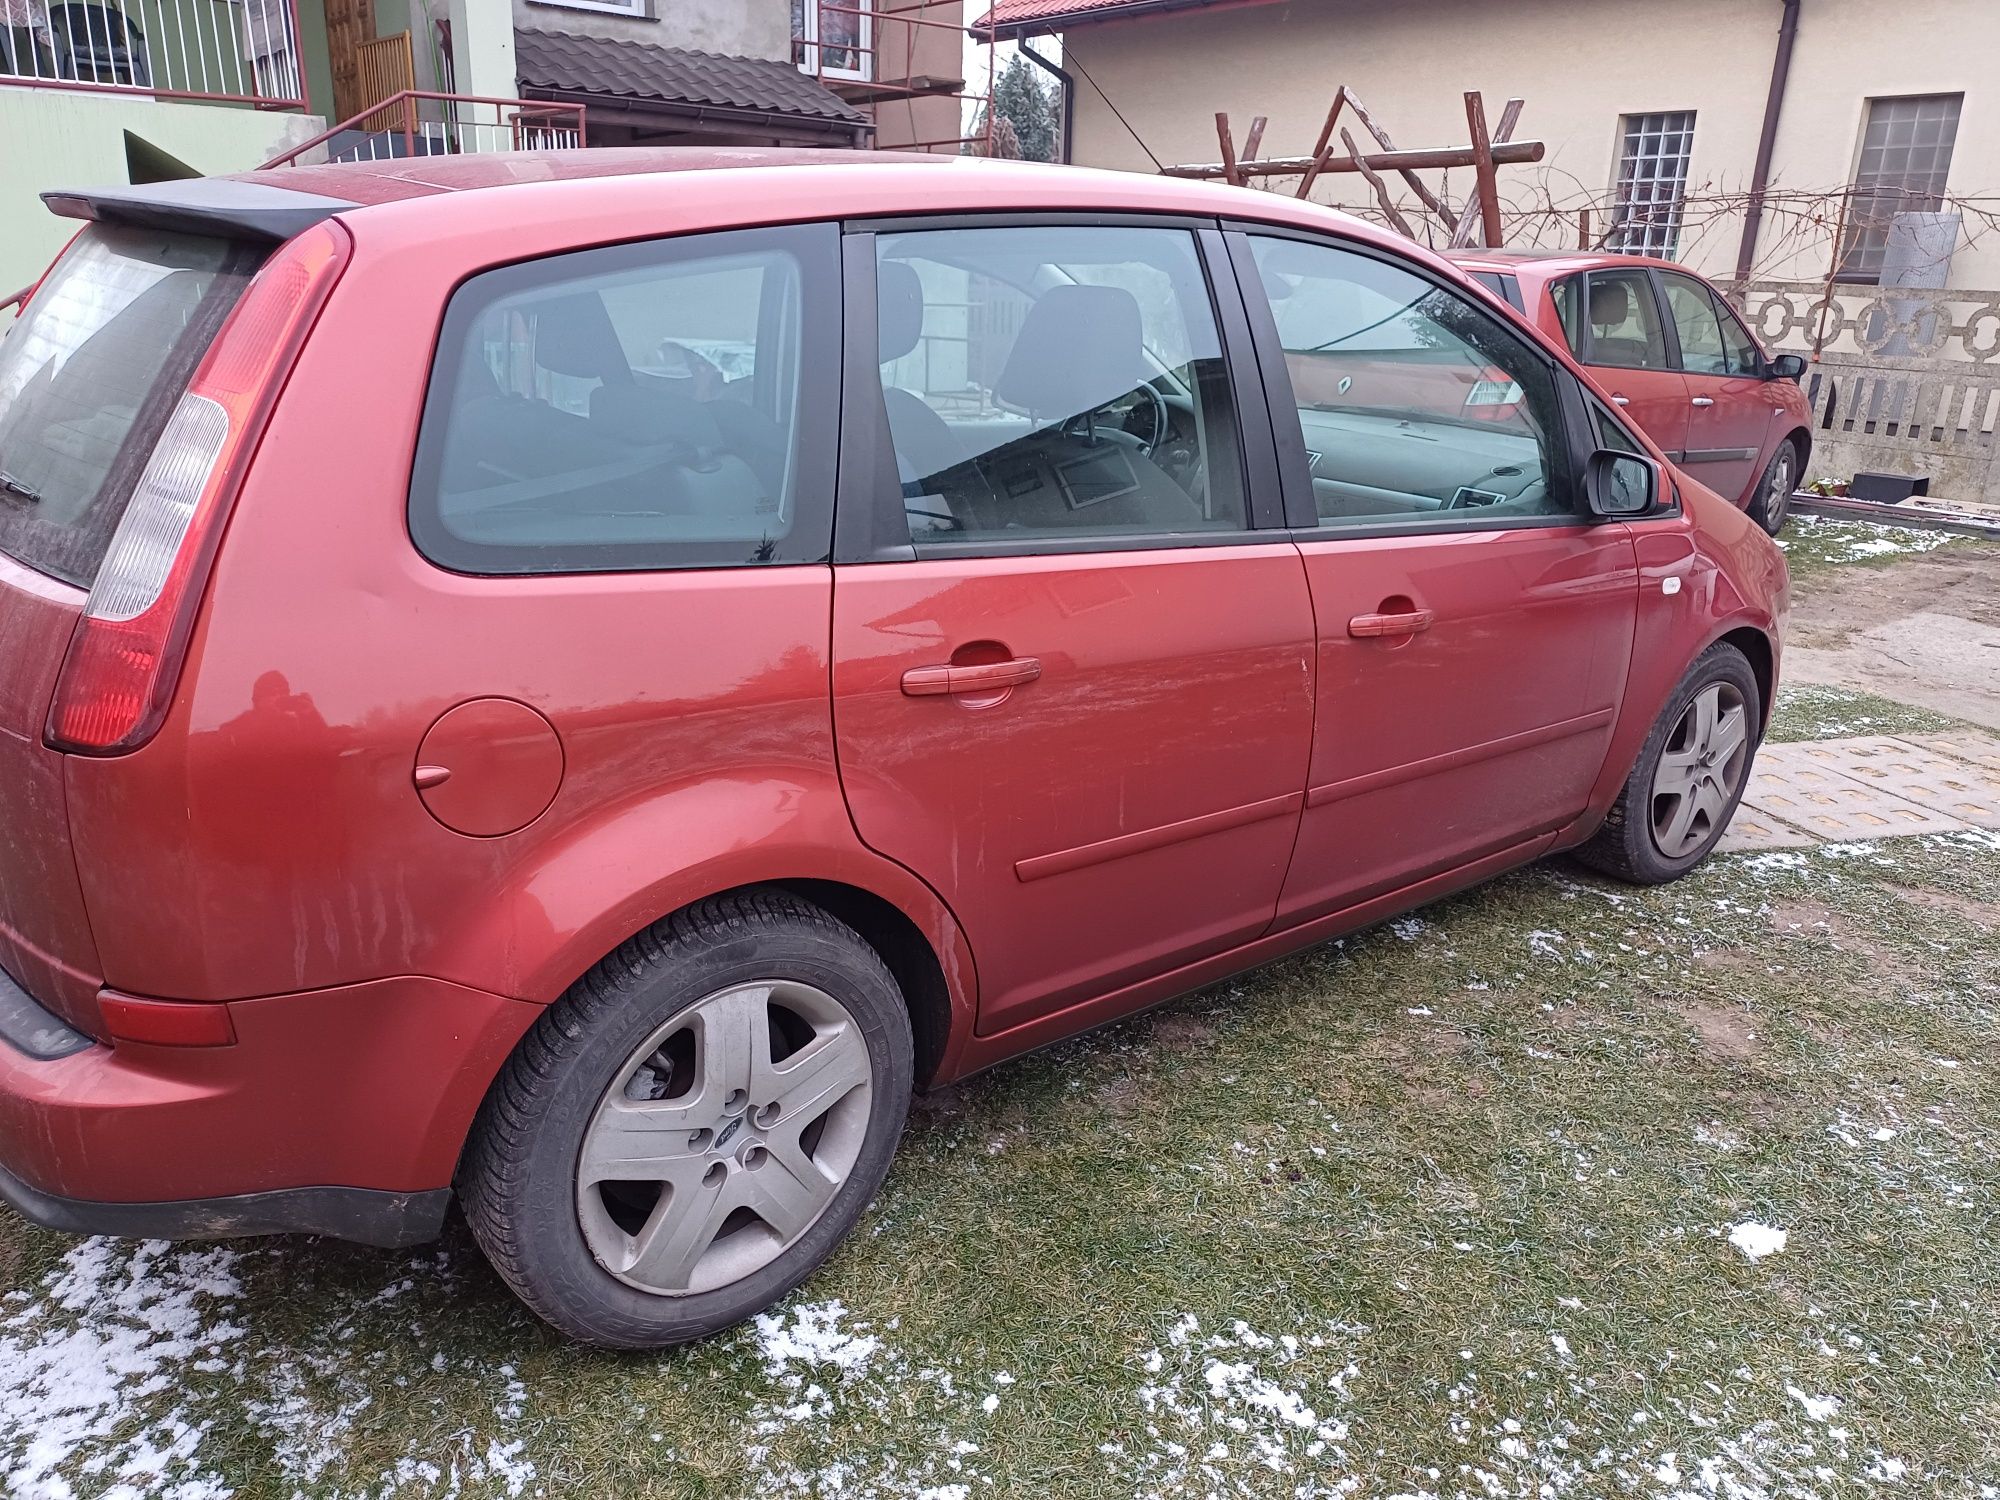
{"x":1700,"y":770}
{"x":1778,"y":498}
{"x":723,"y":1137}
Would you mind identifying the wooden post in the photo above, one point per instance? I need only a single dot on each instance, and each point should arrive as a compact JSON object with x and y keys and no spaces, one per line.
{"x":1254,"y":139}
{"x":1324,"y":144}
{"x":1583,"y":229}
{"x":1374,"y":180}
{"x":1503,"y":133}
{"x":1485,"y":183}
{"x":1430,"y":199}
{"x":1230,"y":173}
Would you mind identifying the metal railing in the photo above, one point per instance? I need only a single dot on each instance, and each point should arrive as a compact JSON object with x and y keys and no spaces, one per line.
{"x":869,"y":53}
{"x":419,"y":122}
{"x":241,"y":51}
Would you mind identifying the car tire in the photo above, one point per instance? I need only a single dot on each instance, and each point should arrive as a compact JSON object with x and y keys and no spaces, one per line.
{"x":1773,"y":501}
{"x":1684,"y":788}
{"x":620,"y":1078}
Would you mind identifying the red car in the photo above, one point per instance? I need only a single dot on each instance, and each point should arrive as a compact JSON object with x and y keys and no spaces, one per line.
{"x":581,"y":680}
{"x":1668,"y":347}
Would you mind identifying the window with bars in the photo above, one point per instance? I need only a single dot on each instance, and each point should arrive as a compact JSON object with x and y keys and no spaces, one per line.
{"x":1652,"y":183}
{"x":1905,"y":158}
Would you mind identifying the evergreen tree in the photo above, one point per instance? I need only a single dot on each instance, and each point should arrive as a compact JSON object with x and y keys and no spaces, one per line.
{"x":1026,"y":120}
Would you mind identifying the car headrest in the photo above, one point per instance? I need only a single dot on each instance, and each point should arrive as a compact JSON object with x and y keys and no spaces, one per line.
{"x":1079,"y":348}
{"x":573,"y":336}
{"x":899,"y":297}
{"x":1610,"y":303}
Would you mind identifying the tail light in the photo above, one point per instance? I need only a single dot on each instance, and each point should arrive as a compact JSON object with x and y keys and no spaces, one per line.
{"x":125,"y":658}
{"x":1494,"y":397}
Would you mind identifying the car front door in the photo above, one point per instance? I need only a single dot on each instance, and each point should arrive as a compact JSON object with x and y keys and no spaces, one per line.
{"x":1072,"y":679}
{"x":1612,"y":321}
{"x":1474,"y":630}
{"x":1730,"y":414}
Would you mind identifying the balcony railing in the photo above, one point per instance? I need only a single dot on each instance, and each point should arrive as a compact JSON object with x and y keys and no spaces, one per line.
{"x":245,"y":51}
{"x":416,"y":122}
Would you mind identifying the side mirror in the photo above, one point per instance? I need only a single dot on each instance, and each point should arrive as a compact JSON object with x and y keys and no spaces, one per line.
{"x":1620,"y":484}
{"x":1785,"y":367}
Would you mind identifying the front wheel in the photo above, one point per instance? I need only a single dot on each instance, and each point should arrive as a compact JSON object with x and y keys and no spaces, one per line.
{"x":688,"y":1133}
{"x":1773,"y":501}
{"x":1690,"y":775}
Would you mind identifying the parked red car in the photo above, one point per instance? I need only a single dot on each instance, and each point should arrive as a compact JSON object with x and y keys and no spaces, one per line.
{"x":580,"y":680}
{"x":1668,"y":347}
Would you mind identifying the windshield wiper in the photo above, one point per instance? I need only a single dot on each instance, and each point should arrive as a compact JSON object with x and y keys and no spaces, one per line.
{"x":12,"y":486}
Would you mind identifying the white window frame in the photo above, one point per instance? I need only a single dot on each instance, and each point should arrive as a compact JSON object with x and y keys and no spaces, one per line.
{"x":637,"y":10}
{"x":1652,"y":180}
{"x":806,"y":43}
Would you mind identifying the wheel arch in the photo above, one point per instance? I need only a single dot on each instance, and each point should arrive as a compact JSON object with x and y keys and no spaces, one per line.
{"x":1757,"y":649}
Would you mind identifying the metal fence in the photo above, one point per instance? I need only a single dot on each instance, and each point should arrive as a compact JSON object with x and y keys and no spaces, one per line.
{"x":240,"y":50}
{"x":1902,"y":380}
{"x":417,"y":122}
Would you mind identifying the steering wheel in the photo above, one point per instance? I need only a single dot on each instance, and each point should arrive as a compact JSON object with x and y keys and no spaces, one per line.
{"x":1162,"y":421}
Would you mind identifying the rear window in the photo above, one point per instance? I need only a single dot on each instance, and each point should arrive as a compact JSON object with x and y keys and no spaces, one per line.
{"x":88,"y":376}
{"x":666,"y":404}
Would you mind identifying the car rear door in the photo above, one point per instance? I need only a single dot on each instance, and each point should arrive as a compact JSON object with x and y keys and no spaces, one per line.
{"x":1614,"y":325}
{"x":1072,"y":676}
{"x":1474,"y":630}
{"x":1730,"y":414}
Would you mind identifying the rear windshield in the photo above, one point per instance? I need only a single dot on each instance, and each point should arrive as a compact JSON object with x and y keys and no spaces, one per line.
{"x":88,"y":376}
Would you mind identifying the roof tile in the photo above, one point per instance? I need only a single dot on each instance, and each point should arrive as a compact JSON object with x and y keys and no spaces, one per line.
{"x":564,"y":63}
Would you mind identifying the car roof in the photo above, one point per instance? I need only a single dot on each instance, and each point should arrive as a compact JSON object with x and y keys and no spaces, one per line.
{"x":711,"y":182}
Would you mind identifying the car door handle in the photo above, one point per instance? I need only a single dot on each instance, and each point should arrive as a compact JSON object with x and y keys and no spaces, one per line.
{"x":1403,"y":624}
{"x":985,"y":677}
{"x":1702,"y":401}
{"x":1621,"y":400}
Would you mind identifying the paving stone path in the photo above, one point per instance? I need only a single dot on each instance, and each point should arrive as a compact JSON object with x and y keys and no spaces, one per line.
{"x":1871,"y":787}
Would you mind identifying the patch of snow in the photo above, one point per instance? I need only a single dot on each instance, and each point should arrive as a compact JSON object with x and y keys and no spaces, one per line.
{"x":1757,"y":1240}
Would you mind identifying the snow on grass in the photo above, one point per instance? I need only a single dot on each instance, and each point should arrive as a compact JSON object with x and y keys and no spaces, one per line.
{"x":1757,"y":1240}
{"x":81,"y":1364}
{"x":1823,"y":539}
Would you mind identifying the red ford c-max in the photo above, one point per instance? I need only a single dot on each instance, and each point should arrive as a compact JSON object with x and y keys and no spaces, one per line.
{"x":580,"y":680}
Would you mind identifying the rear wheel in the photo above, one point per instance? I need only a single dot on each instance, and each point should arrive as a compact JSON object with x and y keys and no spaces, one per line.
{"x":1689,"y":777}
{"x":689,"y":1132}
{"x":1773,"y":502}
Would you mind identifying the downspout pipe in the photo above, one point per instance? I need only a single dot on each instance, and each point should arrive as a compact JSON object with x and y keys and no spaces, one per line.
{"x":1068,"y":86}
{"x":1767,"y":139}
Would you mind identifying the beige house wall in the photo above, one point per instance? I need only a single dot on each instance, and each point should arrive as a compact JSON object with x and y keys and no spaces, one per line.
{"x":1580,"y":65}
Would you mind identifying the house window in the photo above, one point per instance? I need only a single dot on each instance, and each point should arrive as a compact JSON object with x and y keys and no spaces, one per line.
{"x":834,"y":38}
{"x":1652,"y":182}
{"x":641,"y":9}
{"x":1905,"y":157}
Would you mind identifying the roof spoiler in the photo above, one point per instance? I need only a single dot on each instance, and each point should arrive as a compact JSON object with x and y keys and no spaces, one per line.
{"x":220,"y":206}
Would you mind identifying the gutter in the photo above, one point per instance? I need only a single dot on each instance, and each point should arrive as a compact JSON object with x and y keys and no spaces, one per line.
{"x":1068,"y":86}
{"x":1767,"y":139}
{"x":1049,"y":25}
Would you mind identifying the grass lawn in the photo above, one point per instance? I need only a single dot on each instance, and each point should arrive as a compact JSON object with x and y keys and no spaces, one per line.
{"x":1557,"y":1189}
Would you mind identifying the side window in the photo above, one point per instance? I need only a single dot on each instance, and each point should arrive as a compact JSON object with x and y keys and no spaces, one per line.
{"x":1610,"y":434}
{"x":640,"y":406}
{"x":1624,"y":322}
{"x":1416,"y":406}
{"x":1061,"y":382}
{"x":1568,"y":298}
{"x":1696,"y":323}
{"x":1740,"y":353}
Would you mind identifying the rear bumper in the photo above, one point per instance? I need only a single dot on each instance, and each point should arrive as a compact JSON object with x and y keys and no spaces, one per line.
{"x":337,"y":1112}
{"x":360,"y":1214}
